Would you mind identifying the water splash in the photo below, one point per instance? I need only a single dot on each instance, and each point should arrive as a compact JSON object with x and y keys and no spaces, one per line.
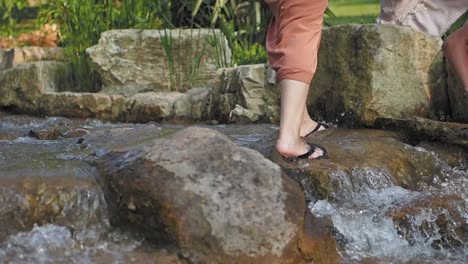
{"x":428,"y":223}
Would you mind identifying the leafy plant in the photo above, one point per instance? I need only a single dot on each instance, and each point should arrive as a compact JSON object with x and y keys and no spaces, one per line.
{"x":81,"y":23}
{"x":183,"y":68}
{"x":7,"y":9}
{"x":243,"y":22}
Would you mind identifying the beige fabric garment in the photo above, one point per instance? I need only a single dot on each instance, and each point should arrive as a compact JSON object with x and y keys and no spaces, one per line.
{"x":433,"y":17}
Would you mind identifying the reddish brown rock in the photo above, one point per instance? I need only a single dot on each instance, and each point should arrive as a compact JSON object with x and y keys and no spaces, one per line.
{"x":217,"y":202}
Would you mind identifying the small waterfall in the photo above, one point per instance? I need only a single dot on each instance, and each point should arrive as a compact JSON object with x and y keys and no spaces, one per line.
{"x":378,"y":221}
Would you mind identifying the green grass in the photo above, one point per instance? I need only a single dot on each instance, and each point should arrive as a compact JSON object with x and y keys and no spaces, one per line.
{"x":353,"y":12}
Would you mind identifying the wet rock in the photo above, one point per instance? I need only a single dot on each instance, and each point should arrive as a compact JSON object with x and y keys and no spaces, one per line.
{"x":45,"y":134}
{"x":317,"y":244}
{"x":21,"y":86}
{"x":441,"y":220}
{"x":364,"y":73}
{"x":458,"y":97}
{"x":76,"y":133}
{"x":69,"y":201}
{"x":361,"y":159}
{"x":131,"y":61}
{"x":222,"y":105}
{"x":57,"y":244}
{"x":216,"y":201}
{"x":419,"y":129}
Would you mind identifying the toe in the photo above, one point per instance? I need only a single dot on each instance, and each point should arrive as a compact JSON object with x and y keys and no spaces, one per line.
{"x":318,"y":152}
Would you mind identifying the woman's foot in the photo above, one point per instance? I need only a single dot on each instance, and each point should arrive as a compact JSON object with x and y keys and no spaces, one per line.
{"x":297,"y":148}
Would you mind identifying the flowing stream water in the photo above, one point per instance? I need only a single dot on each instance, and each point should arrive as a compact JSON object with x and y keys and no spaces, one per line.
{"x":53,"y":211}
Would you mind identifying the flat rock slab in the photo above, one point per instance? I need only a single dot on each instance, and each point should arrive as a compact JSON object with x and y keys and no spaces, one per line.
{"x":373,"y":159}
{"x":419,"y":129}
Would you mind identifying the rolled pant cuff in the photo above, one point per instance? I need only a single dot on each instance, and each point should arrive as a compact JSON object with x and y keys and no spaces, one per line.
{"x":300,"y":76}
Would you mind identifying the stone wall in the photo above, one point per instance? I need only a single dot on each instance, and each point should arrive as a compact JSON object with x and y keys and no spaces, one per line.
{"x":364,"y":72}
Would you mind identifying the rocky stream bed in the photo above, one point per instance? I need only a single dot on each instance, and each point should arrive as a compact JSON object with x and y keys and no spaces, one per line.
{"x":85,"y":191}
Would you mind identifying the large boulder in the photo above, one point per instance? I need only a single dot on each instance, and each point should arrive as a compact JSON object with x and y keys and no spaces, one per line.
{"x":131,"y":61}
{"x":217,"y":202}
{"x":370,"y":71}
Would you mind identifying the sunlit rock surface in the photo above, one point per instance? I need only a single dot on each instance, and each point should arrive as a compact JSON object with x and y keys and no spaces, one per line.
{"x":370,"y":71}
{"x":131,"y":61}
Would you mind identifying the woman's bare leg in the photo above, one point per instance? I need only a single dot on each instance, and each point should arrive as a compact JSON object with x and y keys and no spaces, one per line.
{"x":293,"y":103}
{"x":456,"y":51}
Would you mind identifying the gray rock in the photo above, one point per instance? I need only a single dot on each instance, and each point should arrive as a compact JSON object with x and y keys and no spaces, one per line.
{"x":22,"y":85}
{"x":131,"y":60}
{"x":370,"y":71}
{"x":217,"y":202}
{"x":6,"y":59}
{"x":241,"y":115}
{"x":253,"y":89}
{"x":30,"y":54}
{"x":83,"y":105}
{"x":194,"y":105}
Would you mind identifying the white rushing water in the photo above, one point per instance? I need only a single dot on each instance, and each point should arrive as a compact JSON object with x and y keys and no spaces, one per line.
{"x":58,"y":244}
{"x":361,"y":208}
{"x":366,"y":231}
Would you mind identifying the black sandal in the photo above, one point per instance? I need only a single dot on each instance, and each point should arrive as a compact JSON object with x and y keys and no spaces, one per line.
{"x":316,"y":128}
{"x":312,"y":149}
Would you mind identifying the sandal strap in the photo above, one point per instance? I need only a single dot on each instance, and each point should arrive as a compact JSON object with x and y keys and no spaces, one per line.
{"x":312,"y":149}
{"x":317,"y":127}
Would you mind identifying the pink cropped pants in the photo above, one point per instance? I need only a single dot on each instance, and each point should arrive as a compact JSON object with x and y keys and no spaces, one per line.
{"x":293,"y":37}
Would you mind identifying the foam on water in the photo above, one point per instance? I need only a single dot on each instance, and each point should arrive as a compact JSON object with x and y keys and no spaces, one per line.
{"x":58,"y":244}
{"x":365,"y":231}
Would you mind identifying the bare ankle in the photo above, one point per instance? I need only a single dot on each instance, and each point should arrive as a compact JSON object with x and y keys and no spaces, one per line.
{"x":290,"y":147}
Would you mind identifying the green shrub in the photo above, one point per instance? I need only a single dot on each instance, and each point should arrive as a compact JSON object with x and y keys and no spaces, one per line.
{"x":81,"y":23}
{"x":243,"y":22}
{"x":7,"y":14}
